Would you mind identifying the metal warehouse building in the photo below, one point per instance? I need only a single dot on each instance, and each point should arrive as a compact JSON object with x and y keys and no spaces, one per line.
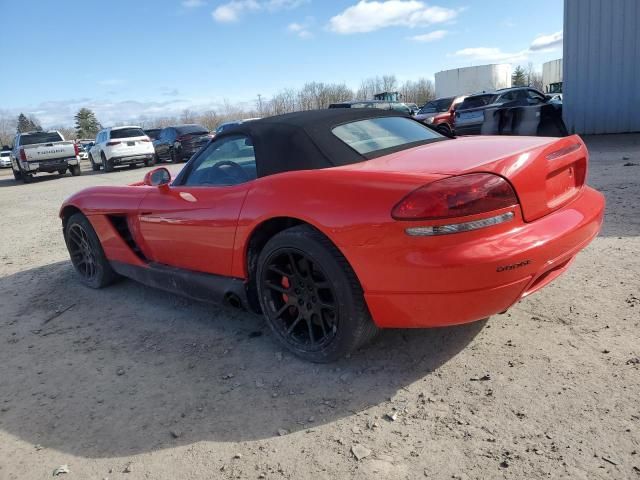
{"x":601,"y":84}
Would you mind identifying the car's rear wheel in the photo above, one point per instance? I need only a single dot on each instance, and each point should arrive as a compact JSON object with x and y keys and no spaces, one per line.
{"x":107,"y":165}
{"x":94,"y":166}
{"x":87,"y":255}
{"x":17,"y":175}
{"x":311,"y":297}
{"x":75,"y":170}
{"x":150,"y":162}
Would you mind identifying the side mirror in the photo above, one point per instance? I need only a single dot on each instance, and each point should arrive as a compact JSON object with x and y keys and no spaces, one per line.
{"x":157,"y":177}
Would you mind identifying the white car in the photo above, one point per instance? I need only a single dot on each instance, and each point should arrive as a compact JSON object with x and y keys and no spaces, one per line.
{"x":117,"y":146}
{"x":5,"y":158}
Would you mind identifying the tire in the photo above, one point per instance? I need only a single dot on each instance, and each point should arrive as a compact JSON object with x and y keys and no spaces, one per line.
{"x":107,"y":166}
{"x":26,"y":177}
{"x":95,"y":167}
{"x":325,"y":301}
{"x":75,"y":170}
{"x":86,"y":253}
{"x":17,"y":175}
{"x":62,"y":171}
{"x":150,"y":162}
{"x":173,"y":156}
{"x":444,"y":129}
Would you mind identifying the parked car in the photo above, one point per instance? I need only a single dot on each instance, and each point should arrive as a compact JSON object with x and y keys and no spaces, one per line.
{"x":223,"y":126}
{"x":35,"y":152}
{"x":380,"y":104}
{"x":83,"y":153}
{"x":153,"y":133}
{"x":413,"y":107}
{"x":439,"y":113}
{"x":5,"y":159}
{"x":178,"y":143}
{"x":509,"y":111}
{"x":121,"y":146}
{"x":413,"y":229}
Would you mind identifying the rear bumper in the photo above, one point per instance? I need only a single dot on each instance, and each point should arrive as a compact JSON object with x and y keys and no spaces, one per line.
{"x":485,"y":276}
{"x":49,"y":166}
{"x":131,"y":159}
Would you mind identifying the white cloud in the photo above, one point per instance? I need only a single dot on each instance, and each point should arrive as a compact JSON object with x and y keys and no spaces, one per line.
{"x":430,"y":37}
{"x":367,"y":16}
{"x":233,"y":10}
{"x":303,"y":29}
{"x":193,"y":3}
{"x":489,"y":54}
{"x":546,"y":42}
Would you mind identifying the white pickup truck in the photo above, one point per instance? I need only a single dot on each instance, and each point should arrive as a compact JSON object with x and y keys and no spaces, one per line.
{"x":35,"y":152}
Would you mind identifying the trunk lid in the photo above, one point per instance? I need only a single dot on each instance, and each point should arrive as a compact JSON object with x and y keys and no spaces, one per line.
{"x":546,"y":173}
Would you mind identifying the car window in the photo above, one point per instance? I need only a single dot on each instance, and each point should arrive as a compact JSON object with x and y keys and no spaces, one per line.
{"x":127,"y":133}
{"x":534,"y":97}
{"x":39,"y":137}
{"x":366,"y":136}
{"x":4,"y":154}
{"x":477,"y":101}
{"x":227,"y":161}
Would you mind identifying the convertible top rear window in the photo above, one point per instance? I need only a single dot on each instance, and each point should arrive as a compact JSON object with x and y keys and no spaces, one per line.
{"x":375,"y":134}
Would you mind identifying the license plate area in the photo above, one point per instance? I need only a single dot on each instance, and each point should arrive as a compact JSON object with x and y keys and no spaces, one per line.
{"x":565,"y":182}
{"x":131,"y":144}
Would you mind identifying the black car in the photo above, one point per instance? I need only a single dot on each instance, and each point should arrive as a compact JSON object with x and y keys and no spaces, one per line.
{"x":381,"y":104}
{"x":180,"y":142}
{"x":153,"y":133}
{"x":509,"y":111}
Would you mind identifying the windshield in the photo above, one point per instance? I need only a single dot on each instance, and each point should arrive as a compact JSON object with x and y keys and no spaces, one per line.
{"x":127,"y":132}
{"x":39,"y":137}
{"x":437,"y":106}
{"x":366,"y":136}
{"x":192,"y":129}
{"x":477,"y":101}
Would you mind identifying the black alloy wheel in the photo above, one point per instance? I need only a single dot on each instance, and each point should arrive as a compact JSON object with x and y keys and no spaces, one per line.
{"x":81,"y":252}
{"x":301,"y":301}
{"x":87,"y":255}
{"x":310,"y":296}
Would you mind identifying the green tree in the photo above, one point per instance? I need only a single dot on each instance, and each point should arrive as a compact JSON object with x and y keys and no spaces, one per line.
{"x":519,"y":77}
{"x":28,"y":124}
{"x":87,"y":124}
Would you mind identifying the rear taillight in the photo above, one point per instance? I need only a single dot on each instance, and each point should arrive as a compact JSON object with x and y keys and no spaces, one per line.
{"x":23,"y":156}
{"x":459,"y":196}
{"x":183,"y":138}
{"x":111,"y":144}
{"x":76,"y":149}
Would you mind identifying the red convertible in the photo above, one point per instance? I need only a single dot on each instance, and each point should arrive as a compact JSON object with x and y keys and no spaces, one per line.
{"x":336,"y":223}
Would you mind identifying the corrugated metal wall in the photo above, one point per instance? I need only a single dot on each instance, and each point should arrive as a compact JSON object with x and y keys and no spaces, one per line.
{"x":601,"y":85}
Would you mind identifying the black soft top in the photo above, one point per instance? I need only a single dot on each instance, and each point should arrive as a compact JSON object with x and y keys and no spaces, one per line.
{"x":304,"y":140}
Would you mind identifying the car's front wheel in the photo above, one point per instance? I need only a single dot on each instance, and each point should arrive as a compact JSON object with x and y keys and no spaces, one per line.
{"x":311,"y":297}
{"x":87,"y":255}
{"x":107,"y":165}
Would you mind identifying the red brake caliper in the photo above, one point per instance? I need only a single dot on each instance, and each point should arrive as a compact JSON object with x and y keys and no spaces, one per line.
{"x":285,"y":283}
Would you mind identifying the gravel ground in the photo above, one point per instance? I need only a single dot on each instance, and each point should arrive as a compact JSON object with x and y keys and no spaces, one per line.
{"x":130,"y":382}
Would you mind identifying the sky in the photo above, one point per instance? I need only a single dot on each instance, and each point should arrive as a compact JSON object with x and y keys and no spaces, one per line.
{"x":135,"y":59}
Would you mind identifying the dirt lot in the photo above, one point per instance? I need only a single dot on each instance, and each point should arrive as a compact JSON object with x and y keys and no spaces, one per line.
{"x":130,"y":382}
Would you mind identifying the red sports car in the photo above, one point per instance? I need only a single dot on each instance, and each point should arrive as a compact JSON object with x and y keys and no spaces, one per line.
{"x":336,"y":223}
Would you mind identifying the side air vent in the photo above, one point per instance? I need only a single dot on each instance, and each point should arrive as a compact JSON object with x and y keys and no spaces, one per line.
{"x":121,"y":225}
